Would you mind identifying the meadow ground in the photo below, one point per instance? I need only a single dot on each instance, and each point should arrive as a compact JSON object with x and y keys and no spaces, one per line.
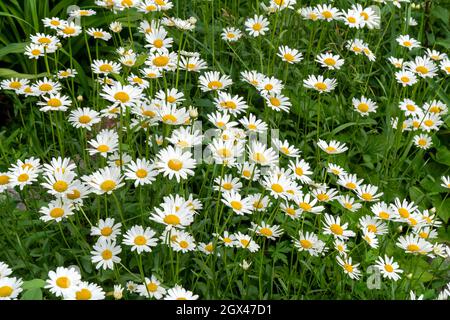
{"x":226,"y":149}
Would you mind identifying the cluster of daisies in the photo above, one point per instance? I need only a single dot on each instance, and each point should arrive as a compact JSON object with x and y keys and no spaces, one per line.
{"x":67,"y":284}
{"x":10,"y":287}
{"x":421,"y":67}
{"x":287,"y":192}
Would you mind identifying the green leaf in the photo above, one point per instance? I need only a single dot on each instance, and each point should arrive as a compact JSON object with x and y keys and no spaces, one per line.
{"x":443,"y":209}
{"x":443,"y":156}
{"x":8,"y":73}
{"x":13,"y":48}
{"x":32,"y":284}
{"x":32,"y":294}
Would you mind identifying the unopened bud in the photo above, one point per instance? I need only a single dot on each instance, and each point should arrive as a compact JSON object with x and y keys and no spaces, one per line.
{"x":193,"y":112}
{"x":192,"y":20}
{"x":80,"y":98}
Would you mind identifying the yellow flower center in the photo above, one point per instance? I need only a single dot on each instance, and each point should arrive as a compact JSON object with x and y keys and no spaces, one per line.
{"x":183,"y":244}
{"x":336,"y":229}
{"x":388,"y":268}
{"x":103,"y":148}
{"x":257,"y":26}
{"x":60,"y":186}
{"x":84,"y":119}
{"x":245,"y":242}
{"x":251,"y":126}
{"x":106,"y":231}
{"x":23,"y":177}
{"x":435,"y":109}
{"x":236,"y":205}
{"x":428,"y":122}
{"x":5,"y":291}
{"x":365,"y":15}
{"x":275,"y":101}
{"x":350,"y":185}
{"x":45,"y":87}
{"x":224,"y":152}
{"x":410,"y":107}
{"x":259,"y":157}
{"x":107,"y":254}
{"x":150,"y":8}
{"x":327,"y":14}
{"x":330,"y":149}
{"x":258,"y":204}
{"x":372,"y":228}
{"x":122,"y":97}
{"x":228,"y":105}
{"x":413,"y":247}
{"x":160,"y":2}
{"x":277,"y":188}
{"x":230,"y":35}
{"x":329,"y":61}
{"x":384,"y":215}
{"x":299,"y":171}
{"x":320,"y":86}
{"x":323,"y":197}
{"x":367,"y":196}
{"x":140,"y":240}
{"x":63,"y":282}
{"x":306,"y":243}
{"x":227,"y":186}
{"x":363,"y":107}
{"x":289,"y":57}
{"x":209,"y":247}
{"x":404,"y":213}
{"x":108,"y":185}
{"x":158,"y":43}
{"x":407,"y":43}
{"x":4,"y":179}
{"x":305,"y":206}
{"x":191,"y":66}
{"x":161,"y":61}
{"x":35,"y":52}
{"x":56,"y":213}
{"x":83,"y":294}
{"x":422,"y":142}
{"x":422,"y":69}
{"x":348,"y":205}
{"x":55,"y":23}
{"x":404,"y":79}
{"x":348,"y":267}
{"x":175,"y":164}
{"x":152,"y":287}
{"x":423,"y":235}
{"x":141,"y":173}
{"x":74,"y":195}
{"x":351,"y":19}
{"x":69,"y":30}
{"x":266,"y":232}
{"x":215,"y":85}
{"x":15,"y":85}
{"x":98,"y":34}
{"x":169,"y":118}
{"x":172,"y":219}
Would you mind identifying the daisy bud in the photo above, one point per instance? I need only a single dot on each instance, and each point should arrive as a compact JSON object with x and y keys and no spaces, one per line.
{"x":80,"y":98}
{"x":399,"y":229}
{"x":192,"y":20}
{"x":193,"y":112}
{"x":433,"y":210}
{"x":409,"y":275}
{"x":118,"y":290}
{"x":245,"y":265}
